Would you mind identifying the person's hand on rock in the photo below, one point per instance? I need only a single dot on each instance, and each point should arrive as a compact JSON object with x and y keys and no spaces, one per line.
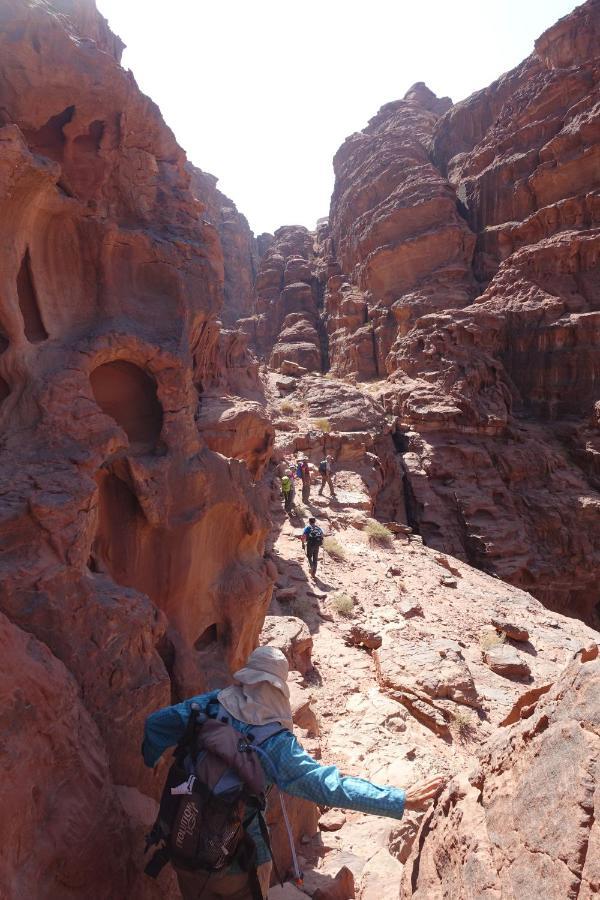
{"x":418,"y":796}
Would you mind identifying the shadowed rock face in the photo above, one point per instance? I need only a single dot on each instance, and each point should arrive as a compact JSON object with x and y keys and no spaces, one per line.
{"x":125,"y":537}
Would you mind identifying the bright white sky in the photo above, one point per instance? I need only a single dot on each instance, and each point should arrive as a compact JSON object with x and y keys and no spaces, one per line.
{"x":262,"y":92}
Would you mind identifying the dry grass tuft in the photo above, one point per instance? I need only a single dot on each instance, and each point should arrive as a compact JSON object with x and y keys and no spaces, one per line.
{"x":343,"y":605}
{"x":287,"y":408}
{"x":462,"y":723}
{"x":335,"y":549}
{"x":378,"y":533}
{"x":322,"y":425}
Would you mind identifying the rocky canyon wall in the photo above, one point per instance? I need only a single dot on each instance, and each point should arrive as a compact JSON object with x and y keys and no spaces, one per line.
{"x":131,"y":525}
{"x":454,"y":288}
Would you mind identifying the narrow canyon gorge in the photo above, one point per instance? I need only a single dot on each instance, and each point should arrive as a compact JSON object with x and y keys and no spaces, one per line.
{"x":438,"y":334}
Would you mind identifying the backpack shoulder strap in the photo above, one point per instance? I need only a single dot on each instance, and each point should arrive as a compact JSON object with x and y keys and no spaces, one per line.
{"x":262,"y":733}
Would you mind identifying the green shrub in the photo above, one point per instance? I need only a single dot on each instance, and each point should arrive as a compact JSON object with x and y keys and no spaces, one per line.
{"x":378,"y":533}
{"x":323,"y":425}
{"x":343,"y":605}
{"x":335,"y":549}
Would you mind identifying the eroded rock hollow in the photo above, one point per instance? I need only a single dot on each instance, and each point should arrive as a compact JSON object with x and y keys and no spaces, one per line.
{"x":437,"y":334}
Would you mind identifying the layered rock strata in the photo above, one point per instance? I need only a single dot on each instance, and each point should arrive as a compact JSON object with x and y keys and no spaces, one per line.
{"x":422,"y":665}
{"x":397,"y":235}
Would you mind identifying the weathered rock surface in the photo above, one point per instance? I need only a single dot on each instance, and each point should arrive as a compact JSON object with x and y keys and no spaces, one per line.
{"x":454,"y":288}
{"x":240,"y":250}
{"x":397,"y":234}
{"x":506,"y":660}
{"x":525,"y":822}
{"x":62,"y":825}
{"x":426,"y":700}
{"x":290,"y":635}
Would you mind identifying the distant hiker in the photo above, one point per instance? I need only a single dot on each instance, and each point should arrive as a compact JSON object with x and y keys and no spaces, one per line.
{"x":325,"y":473}
{"x":305,"y":476}
{"x":287,"y":491}
{"x":312,"y":538}
{"x":197,"y":822}
{"x":298,"y":471}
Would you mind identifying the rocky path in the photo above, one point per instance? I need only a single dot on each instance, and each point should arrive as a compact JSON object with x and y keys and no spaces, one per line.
{"x":408,"y":658}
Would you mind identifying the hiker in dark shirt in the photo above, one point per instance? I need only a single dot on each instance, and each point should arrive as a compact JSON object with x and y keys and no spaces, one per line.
{"x":312,"y":538}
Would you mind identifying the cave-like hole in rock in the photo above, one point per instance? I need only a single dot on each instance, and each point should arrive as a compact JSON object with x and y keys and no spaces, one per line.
{"x":400,"y":441}
{"x":35,"y":332}
{"x":49,"y":140}
{"x":208,"y":638}
{"x":128,"y":395}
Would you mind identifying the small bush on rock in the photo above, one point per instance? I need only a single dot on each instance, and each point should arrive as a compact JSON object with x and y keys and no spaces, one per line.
{"x":462,"y":723}
{"x":378,"y":533}
{"x":287,"y":408}
{"x":335,"y":549}
{"x":323,"y":425}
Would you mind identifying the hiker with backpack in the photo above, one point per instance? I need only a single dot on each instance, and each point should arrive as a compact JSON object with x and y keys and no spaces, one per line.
{"x":325,"y":473}
{"x":287,"y":492}
{"x":305,"y":476}
{"x":312,"y":538}
{"x":231,"y":746}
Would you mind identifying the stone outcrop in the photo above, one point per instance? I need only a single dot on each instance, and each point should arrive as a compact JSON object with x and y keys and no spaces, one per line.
{"x":397,"y":235}
{"x":62,"y":825}
{"x":286,"y":327}
{"x":132,"y":552}
{"x":402,"y":685}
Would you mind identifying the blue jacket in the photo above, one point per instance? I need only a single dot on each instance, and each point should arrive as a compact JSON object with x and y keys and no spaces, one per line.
{"x":291,"y":768}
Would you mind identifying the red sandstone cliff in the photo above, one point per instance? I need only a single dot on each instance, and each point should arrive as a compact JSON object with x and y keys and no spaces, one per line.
{"x":130,"y":549}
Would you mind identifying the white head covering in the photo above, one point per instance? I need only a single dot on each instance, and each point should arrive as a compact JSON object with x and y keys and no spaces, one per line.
{"x":259,"y":693}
